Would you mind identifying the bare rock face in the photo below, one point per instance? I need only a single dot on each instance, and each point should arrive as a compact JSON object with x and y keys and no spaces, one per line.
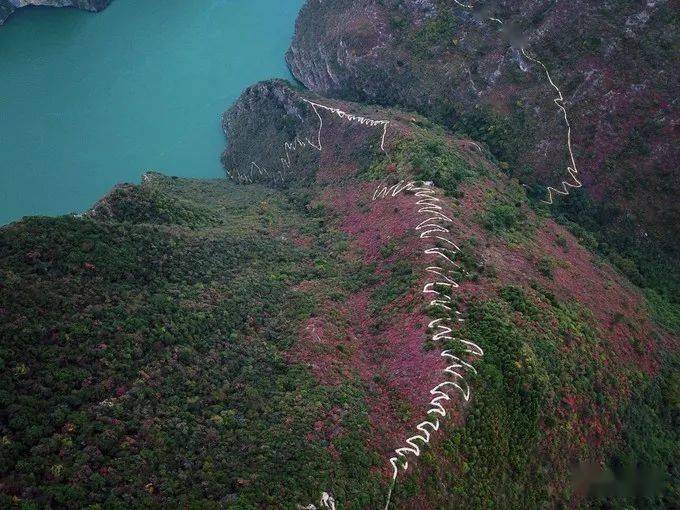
{"x":275,"y":112}
{"x":612,"y":61}
{"x":7,"y":7}
{"x":278,"y":134}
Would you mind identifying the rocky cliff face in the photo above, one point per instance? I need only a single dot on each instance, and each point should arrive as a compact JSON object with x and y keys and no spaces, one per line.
{"x":480,"y":70}
{"x":7,"y":7}
{"x":275,"y":112}
{"x":279,"y":134}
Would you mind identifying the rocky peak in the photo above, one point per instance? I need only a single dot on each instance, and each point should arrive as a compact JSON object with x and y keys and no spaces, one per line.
{"x":278,"y":134}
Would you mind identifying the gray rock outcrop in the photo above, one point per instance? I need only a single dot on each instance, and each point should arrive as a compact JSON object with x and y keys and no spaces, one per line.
{"x":7,"y":7}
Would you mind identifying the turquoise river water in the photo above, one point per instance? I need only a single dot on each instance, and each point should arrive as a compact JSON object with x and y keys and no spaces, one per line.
{"x":91,"y":100}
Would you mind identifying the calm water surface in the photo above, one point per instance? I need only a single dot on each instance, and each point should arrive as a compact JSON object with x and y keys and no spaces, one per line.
{"x":91,"y":100}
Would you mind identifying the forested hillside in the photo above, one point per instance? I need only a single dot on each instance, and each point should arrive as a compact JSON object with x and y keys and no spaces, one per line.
{"x":255,"y":344}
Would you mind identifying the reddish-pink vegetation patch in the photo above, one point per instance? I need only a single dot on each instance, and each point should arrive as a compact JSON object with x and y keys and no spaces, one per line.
{"x":307,"y":286}
{"x":333,"y":173}
{"x":328,"y":428}
{"x":395,"y":366}
{"x":617,"y":308}
{"x":575,"y":413}
{"x":370,"y":224}
{"x":342,"y":139}
{"x":301,"y":239}
{"x":412,"y":372}
{"x":628,"y":109}
{"x":385,"y":349}
{"x":391,"y":363}
{"x":399,"y":372}
{"x":318,"y":349}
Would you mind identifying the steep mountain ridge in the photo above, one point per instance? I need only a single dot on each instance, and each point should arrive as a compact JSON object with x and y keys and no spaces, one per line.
{"x":212,"y":344}
{"x":507,"y":250}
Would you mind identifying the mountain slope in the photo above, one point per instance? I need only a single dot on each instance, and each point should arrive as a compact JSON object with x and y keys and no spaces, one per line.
{"x":144,"y":351}
{"x":208,"y":344}
{"x":493,"y":71}
{"x":564,"y":336}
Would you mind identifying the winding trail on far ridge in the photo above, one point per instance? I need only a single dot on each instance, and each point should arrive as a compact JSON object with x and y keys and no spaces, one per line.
{"x":572,"y":171}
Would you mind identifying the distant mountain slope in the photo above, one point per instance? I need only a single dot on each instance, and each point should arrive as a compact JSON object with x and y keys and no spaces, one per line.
{"x":207,"y":344}
{"x":477,"y":67}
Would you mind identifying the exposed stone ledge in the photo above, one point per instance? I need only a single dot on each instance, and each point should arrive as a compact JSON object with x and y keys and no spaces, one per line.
{"x":7,"y":7}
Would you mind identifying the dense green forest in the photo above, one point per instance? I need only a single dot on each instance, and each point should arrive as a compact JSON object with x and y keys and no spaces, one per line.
{"x":143,"y":352}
